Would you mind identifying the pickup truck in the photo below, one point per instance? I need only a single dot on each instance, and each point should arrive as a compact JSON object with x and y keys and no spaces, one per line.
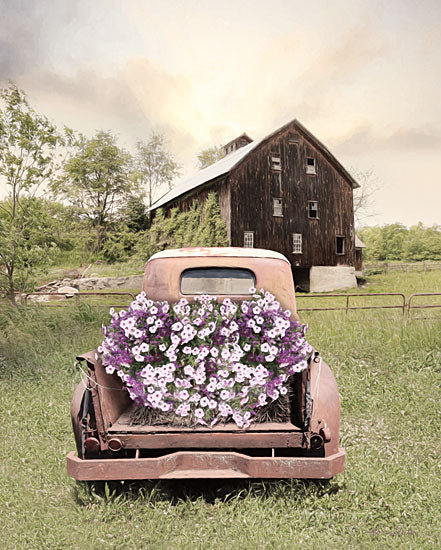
{"x":304,"y":445}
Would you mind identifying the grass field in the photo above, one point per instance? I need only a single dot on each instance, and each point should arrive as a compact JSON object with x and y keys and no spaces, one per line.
{"x":389,"y":376}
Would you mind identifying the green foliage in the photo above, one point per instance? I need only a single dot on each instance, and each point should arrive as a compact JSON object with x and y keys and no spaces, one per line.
{"x":154,"y":167}
{"x":28,"y":142}
{"x":213,"y":231}
{"x":423,"y":243}
{"x":199,"y":226}
{"x":389,"y":377}
{"x":119,"y":245}
{"x":396,"y":242}
{"x":96,"y":180}
{"x":211,"y":155}
{"x":134,"y":214}
{"x":22,"y":246}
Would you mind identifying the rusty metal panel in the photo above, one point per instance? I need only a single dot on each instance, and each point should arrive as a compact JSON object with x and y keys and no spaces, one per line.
{"x":199,"y":464}
{"x":162,"y":276}
{"x":192,"y":440}
{"x":110,"y":398}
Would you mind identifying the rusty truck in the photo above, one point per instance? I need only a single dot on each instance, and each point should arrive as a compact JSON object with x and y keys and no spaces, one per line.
{"x":306,"y":445}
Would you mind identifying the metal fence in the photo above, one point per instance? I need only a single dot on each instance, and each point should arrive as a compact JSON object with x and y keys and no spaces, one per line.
{"x":412,"y":306}
{"x":405,"y":306}
{"x":385,"y":267}
{"x":347,"y":307}
{"x":398,"y":299}
{"x":56,"y":297}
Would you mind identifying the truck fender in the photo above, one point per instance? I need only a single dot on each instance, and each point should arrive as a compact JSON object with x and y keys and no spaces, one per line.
{"x":79,"y":403}
{"x":325,"y":399}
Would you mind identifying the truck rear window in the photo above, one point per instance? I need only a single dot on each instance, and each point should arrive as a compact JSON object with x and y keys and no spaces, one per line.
{"x":217,"y":280}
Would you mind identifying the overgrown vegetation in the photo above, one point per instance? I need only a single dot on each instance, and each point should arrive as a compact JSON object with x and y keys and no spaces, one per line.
{"x":397,"y":242}
{"x":100,"y":194}
{"x":201,"y":225}
{"x":389,"y":376}
{"x":28,"y":144}
{"x":95,"y":179}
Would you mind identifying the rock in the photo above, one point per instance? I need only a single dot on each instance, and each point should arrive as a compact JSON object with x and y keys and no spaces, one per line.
{"x":68,"y":290}
{"x":95,"y":283}
{"x":43,"y":298}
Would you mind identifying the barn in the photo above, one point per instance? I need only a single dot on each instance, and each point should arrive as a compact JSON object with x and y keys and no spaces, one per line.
{"x":285,"y":192}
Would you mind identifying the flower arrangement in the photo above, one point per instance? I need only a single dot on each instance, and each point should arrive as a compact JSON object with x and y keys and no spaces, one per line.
{"x":205,"y":360}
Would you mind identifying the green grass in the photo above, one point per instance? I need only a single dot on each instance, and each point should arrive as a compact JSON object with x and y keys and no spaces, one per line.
{"x":404,"y":283}
{"x":65,"y":265}
{"x":389,"y":376}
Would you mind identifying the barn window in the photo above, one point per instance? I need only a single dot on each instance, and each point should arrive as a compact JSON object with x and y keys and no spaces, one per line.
{"x":313,"y":209}
{"x":248,"y":239}
{"x":339,"y":244}
{"x":276,"y":162}
{"x":277,"y":207}
{"x":297,"y":243}
{"x":310,"y":165}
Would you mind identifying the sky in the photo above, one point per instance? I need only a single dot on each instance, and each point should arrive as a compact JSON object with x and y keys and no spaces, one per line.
{"x":363,"y":76}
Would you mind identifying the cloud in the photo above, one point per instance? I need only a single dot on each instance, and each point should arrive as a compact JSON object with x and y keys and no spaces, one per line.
{"x":28,"y":34}
{"x":363,"y":139}
{"x":423,"y":138}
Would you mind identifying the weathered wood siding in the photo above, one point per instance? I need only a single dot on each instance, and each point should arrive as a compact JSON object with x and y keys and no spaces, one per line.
{"x":254,"y":185}
{"x":358,"y":259}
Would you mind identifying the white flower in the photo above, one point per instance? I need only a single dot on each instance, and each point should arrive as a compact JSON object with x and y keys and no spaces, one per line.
{"x":204,"y":401}
{"x":184,"y":395}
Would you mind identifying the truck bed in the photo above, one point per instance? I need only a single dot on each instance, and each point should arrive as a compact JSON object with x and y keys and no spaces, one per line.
{"x":122,"y":425}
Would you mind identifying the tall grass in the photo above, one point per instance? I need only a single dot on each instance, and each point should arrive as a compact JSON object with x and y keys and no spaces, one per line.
{"x":389,"y":374}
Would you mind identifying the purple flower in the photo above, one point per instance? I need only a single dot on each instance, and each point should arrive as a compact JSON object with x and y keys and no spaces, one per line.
{"x":220,"y":375}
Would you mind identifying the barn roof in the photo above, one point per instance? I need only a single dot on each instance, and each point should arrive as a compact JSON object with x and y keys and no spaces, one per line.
{"x":225,"y":165}
{"x":359,"y":243}
{"x":244,"y":136}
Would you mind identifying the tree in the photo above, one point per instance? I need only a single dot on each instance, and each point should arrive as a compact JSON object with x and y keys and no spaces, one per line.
{"x":96,"y":180}
{"x":154,"y":167}
{"x":134,"y":214}
{"x":369,"y":185}
{"x":211,"y":155}
{"x":28,"y":143}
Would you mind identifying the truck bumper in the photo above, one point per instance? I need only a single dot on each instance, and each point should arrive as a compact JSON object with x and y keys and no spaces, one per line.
{"x":200,"y":464}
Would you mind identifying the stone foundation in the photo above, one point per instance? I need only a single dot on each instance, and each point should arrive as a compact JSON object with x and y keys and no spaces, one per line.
{"x":328,"y":279}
